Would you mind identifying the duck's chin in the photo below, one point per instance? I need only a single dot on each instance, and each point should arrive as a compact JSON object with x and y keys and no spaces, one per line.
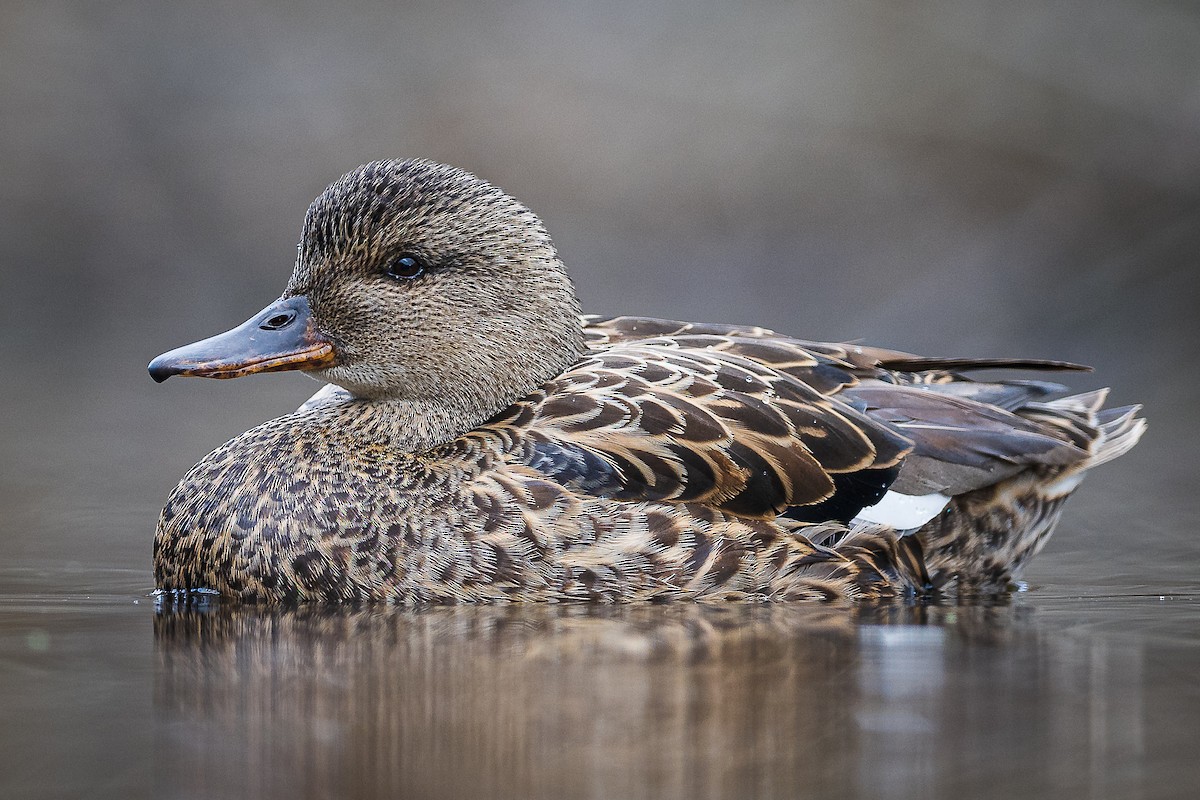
{"x":362,"y":382}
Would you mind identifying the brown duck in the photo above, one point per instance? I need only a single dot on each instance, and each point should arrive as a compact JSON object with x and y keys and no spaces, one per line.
{"x":480,"y":441}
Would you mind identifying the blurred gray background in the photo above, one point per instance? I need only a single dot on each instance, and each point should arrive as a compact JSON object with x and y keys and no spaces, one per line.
{"x":965,"y":178}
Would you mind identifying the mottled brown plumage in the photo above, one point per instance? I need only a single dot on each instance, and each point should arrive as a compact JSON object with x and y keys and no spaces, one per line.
{"x":480,"y":441}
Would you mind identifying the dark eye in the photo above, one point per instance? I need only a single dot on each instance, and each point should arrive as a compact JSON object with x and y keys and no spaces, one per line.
{"x":405,"y":267}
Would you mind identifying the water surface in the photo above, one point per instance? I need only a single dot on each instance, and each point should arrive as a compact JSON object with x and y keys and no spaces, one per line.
{"x":1045,"y":694}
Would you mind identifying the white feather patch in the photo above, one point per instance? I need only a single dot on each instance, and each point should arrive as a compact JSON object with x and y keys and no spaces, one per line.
{"x":1063,"y":486}
{"x":904,"y":511}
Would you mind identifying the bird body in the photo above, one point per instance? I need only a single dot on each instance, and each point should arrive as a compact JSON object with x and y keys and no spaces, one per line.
{"x":481,"y":441}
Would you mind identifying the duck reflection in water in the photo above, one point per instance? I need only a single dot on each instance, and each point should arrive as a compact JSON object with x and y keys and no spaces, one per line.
{"x":647,"y":701}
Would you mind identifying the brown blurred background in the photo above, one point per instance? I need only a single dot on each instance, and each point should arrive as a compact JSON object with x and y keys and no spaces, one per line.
{"x":1016,"y":179}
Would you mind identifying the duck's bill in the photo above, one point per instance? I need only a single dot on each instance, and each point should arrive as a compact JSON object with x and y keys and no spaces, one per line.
{"x":280,"y":337}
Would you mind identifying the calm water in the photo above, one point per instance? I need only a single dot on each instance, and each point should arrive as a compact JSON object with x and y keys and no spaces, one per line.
{"x":1049,"y":694}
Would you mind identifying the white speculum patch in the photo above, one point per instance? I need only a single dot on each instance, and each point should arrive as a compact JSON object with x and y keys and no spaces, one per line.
{"x":904,"y":511}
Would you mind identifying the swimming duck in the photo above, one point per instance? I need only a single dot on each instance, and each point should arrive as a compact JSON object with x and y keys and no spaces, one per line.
{"x":479,"y":440}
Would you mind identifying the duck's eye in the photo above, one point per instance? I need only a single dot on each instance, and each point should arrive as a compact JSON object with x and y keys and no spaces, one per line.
{"x":405,"y":267}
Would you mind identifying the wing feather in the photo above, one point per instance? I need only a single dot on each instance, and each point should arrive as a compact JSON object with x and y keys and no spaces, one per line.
{"x":751,"y":423}
{"x":961,"y":444}
{"x":687,"y":419}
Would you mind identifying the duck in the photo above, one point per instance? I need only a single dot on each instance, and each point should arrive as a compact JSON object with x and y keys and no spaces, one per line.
{"x":478,"y":439}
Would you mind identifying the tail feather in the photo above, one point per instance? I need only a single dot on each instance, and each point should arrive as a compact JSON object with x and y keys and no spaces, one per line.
{"x":1121,"y":429}
{"x":986,"y":535}
{"x":1085,"y":403}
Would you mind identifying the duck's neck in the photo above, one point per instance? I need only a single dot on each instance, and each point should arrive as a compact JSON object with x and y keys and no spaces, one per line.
{"x":399,"y":425}
{"x":484,"y":384}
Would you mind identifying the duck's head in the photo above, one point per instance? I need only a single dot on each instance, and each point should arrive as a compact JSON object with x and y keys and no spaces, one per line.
{"x":414,"y":281}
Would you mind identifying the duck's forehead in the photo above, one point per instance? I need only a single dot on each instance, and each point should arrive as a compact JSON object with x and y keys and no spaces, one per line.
{"x":342,"y":221}
{"x":383,"y":202}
